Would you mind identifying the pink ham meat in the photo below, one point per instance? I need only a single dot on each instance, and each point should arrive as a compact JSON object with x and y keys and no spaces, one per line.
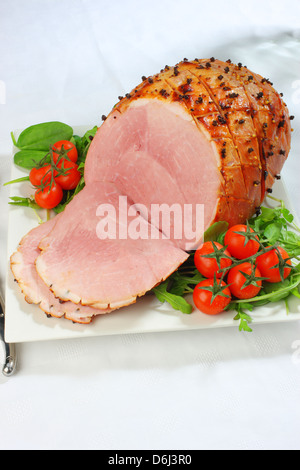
{"x":79,"y":266}
{"x":154,"y":153}
{"x":32,"y":286}
{"x":203,"y":133}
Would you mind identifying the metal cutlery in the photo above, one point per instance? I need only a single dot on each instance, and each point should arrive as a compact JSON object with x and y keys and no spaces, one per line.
{"x":9,"y":366}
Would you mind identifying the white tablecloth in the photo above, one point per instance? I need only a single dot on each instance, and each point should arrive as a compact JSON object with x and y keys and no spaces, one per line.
{"x":69,"y":60}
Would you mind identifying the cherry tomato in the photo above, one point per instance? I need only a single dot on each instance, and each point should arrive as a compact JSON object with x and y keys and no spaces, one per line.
{"x":65,"y":148}
{"x":207,"y":266}
{"x":71,"y":178}
{"x":238,"y":276}
{"x":39,"y":175}
{"x":49,"y":197}
{"x":203,"y":298}
{"x":272,"y":265}
{"x":238,"y":245}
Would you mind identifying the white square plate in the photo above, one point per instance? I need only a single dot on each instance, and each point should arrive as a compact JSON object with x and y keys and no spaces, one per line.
{"x":24,"y":322}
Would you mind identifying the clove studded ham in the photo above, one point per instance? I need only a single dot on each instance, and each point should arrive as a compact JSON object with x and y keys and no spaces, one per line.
{"x":204,"y":132}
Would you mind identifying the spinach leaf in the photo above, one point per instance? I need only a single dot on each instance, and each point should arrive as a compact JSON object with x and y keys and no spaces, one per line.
{"x":215,"y":231}
{"x":42,"y":136}
{"x":28,"y":159}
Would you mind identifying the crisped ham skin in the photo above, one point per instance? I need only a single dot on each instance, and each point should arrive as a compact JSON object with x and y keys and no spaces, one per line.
{"x":204,"y":132}
{"x":32,"y":286}
{"x":243,"y":117}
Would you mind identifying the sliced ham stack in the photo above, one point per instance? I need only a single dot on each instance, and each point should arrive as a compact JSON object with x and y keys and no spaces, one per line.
{"x":33,"y":287}
{"x":203,"y":132}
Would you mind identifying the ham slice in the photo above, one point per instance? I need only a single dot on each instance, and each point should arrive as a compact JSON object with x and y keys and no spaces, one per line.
{"x":79,"y":266}
{"x":32,"y":286}
{"x":203,"y":134}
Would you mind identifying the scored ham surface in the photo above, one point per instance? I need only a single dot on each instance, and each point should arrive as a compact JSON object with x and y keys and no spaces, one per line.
{"x":203,"y":132}
{"x":235,"y":112}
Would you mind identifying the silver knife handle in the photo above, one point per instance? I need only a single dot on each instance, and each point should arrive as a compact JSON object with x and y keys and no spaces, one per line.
{"x":10,"y":357}
{"x":10,"y":360}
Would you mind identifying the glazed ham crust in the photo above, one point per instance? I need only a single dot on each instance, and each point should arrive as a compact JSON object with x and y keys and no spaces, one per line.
{"x":243,"y":117}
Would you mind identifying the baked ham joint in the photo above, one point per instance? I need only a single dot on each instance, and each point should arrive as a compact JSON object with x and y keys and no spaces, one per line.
{"x":203,"y":132}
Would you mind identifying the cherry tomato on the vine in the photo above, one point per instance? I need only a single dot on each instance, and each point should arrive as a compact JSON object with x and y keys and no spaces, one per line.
{"x":211,"y":258}
{"x":64,"y":148}
{"x":239,"y":245}
{"x":71,"y":177}
{"x":274,"y":265}
{"x":49,"y":197}
{"x":37,"y":176}
{"x":238,"y":277}
{"x":211,"y":296}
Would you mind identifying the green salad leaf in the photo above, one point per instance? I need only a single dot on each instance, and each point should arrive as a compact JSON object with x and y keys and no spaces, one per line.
{"x":178,"y":302}
{"x":216,"y":231}
{"x":28,"y":159}
{"x":23,"y":201}
{"x":43,"y":136}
